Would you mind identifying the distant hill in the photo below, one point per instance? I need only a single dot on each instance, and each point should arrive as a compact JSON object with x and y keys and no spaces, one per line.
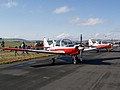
{"x":13,"y":39}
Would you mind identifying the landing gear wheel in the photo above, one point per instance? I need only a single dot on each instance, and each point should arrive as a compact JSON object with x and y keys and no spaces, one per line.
{"x":97,"y":50}
{"x":53,"y":61}
{"x":107,"y":49}
{"x":80,"y":59}
{"x":75,"y":60}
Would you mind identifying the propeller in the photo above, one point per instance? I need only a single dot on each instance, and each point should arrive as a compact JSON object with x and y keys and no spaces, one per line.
{"x":81,"y":51}
{"x":81,"y":40}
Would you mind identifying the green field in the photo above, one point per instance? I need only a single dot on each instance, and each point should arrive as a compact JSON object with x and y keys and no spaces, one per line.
{"x":7,"y":57}
{"x":15,"y":43}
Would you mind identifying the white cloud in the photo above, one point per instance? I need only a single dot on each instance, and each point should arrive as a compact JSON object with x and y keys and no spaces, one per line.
{"x":92,"y":21}
{"x":117,"y":29}
{"x":97,"y":34}
{"x":108,"y":34}
{"x":63,"y":9}
{"x":16,"y":36}
{"x":88,"y":22}
{"x":103,"y":35}
{"x":67,"y":36}
{"x":75,"y":20}
{"x":9,"y":4}
{"x":63,"y":35}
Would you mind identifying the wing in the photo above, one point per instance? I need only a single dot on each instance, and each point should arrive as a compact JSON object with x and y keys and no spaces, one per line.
{"x":89,"y":49}
{"x":38,"y":51}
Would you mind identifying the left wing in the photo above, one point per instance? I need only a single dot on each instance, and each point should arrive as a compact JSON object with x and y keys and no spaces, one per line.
{"x":38,"y":51}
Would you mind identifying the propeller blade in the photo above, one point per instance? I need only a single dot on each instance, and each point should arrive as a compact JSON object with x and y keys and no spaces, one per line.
{"x":81,"y":40}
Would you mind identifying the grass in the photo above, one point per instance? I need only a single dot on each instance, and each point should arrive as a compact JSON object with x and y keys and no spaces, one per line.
{"x":7,"y":57}
{"x":15,"y":43}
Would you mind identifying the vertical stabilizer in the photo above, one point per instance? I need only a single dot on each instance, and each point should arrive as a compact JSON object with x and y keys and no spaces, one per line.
{"x":90,"y":42}
{"x":45,"y":43}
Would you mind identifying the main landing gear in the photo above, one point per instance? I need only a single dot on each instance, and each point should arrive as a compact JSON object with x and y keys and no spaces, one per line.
{"x":76,"y":60}
{"x":52,"y":61}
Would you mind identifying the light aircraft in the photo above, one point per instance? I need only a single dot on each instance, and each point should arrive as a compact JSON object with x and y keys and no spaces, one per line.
{"x":60,"y":47}
{"x":99,"y":46}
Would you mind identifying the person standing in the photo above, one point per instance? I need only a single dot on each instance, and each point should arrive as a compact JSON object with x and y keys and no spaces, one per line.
{"x":16,"y":53}
{"x":3,"y":44}
{"x":22,"y":46}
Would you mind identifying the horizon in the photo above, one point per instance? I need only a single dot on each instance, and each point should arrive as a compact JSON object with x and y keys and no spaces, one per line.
{"x":12,"y":39}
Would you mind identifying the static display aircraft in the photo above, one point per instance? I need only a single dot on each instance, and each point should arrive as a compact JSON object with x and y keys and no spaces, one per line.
{"x":60,"y":47}
{"x":99,"y":46}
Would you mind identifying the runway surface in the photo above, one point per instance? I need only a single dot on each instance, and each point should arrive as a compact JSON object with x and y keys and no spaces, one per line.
{"x":98,"y":71}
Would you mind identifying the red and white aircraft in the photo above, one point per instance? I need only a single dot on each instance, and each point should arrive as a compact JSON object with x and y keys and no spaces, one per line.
{"x":98,"y":46}
{"x":60,"y":47}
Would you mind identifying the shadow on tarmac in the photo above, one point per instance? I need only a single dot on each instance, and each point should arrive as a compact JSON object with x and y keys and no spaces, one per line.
{"x":46,"y":65}
{"x":100,"y":61}
{"x":61,"y":61}
{"x":97,"y":61}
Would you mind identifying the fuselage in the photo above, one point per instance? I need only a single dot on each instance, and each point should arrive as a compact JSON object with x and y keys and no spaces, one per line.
{"x":65,"y":45}
{"x":102,"y":46}
{"x":99,"y":45}
{"x":68,"y":50}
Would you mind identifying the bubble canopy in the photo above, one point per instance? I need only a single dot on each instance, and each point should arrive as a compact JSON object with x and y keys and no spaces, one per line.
{"x":65,"y":42}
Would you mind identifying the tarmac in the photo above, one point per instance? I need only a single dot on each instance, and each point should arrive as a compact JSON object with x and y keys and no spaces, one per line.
{"x":98,"y":71}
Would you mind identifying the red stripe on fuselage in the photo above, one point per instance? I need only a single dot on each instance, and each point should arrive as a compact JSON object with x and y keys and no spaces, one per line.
{"x":103,"y":46}
{"x":69,"y":51}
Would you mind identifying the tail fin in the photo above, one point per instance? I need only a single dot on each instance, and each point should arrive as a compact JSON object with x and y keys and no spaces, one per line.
{"x":45,"y":43}
{"x":90,"y":42}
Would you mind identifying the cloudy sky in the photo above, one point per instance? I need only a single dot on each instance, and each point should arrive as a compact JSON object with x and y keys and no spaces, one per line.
{"x":35,"y":19}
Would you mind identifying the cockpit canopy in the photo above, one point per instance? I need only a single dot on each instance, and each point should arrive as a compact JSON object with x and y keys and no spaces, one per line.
{"x":64,"y":42}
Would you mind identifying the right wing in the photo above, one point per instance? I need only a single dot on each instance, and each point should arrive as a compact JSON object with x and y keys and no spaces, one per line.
{"x":89,"y":49}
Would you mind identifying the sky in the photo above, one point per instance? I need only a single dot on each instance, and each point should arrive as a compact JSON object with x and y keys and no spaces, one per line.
{"x":54,"y":19}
